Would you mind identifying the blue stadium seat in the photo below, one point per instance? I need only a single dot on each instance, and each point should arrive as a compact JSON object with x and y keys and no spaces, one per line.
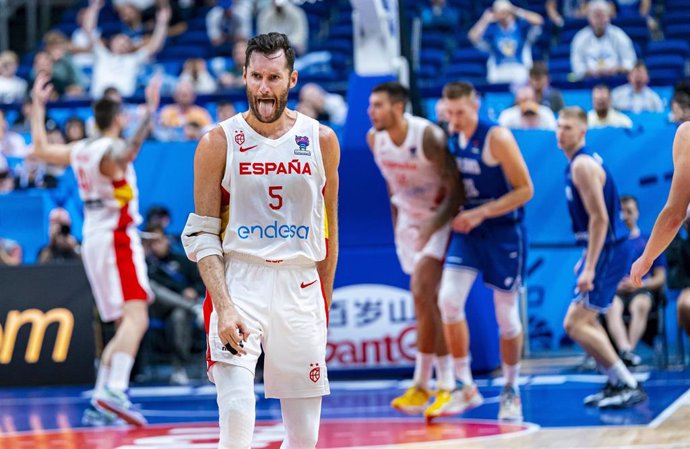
{"x":663,"y":77}
{"x":182,"y":52}
{"x":568,"y":35}
{"x":432,"y":40}
{"x":638,"y":35}
{"x":561,"y":51}
{"x":676,"y":18}
{"x":67,"y":28}
{"x":429,"y":71}
{"x":193,"y":37}
{"x":468,"y":55}
{"x":677,"y":6}
{"x":669,"y":47}
{"x":197,"y":23}
{"x":559,"y":66}
{"x":432,"y":56}
{"x":630,"y":22}
{"x":666,"y":62}
{"x":341,"y":31}
{"x":463,"y":70}
{"x":677,"y":31}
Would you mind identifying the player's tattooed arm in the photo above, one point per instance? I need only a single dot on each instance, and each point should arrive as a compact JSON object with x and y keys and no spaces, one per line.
{"x":330,"y":151}
{"x":153,"y":98}
{"x":394,"y":209}
{"x":209,"y":166}
{"x":435,"y":147}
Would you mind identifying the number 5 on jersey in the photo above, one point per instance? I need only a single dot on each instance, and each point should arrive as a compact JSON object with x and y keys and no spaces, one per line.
{"x":273,"y":193}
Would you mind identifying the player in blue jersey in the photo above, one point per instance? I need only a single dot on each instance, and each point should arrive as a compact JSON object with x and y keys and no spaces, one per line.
{"x":488,"y":237}
{"x":594,"y":208}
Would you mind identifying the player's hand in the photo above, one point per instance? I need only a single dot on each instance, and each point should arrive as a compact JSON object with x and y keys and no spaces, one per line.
{"x":153,"y":92}
{"x":639,"y":269}
{"x":467,"y":220}
{"x":232,"y":330}
{"x":163,"y":15}
{"x":626,"y":285}
{"x":42,"y":89}
{"x":585,"y":282}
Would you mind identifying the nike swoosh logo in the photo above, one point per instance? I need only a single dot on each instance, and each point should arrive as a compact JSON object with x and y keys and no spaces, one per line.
{"x":303,"y":285}
{"x":243,"y":149}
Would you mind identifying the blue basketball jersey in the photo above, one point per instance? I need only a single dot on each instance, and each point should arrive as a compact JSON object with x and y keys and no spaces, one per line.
{"x":617,"y":230}
{"x":483,"y":181}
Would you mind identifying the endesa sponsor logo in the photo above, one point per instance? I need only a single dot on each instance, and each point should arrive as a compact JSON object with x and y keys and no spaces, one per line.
{"x":274,"y":230}
{"x":294,"y":167}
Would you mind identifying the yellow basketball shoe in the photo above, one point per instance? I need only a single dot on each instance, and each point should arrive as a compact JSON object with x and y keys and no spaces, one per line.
{"x":447,"y":403}
{"x":413,"y":401}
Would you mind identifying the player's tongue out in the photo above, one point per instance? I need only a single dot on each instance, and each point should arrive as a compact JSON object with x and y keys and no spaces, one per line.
{"x":266,"y":107}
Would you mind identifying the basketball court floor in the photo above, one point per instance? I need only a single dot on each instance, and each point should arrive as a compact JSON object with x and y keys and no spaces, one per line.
{"x":357,"y":415}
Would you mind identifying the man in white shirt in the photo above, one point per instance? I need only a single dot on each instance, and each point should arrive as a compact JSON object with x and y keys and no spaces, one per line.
{"x":636,"y":96}
{"x":603,"y":115}
{"x":118,"y":65}
{"x":527,"y":113}
{"x":12,"y":88}
{"x":284,"y":17}
{"x":601,"y":49}
{"x":11,"y":143}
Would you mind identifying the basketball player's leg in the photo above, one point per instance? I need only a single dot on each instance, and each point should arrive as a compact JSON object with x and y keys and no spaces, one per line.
{"x":301,"y":417}
{"x":683,"y":310}
{"x":511,"y":340}
{"x":616,"y":325}
{"x":456,"y":283}
{"x":640,"y":306}
{"x":236,"y":405}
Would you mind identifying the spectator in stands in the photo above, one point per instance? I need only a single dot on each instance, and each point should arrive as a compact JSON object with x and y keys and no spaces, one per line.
{"x":321,"y":105}
{"x":284,"y":17}
{"x":440,"y":15}
{"x":507,"y":32}
{"x":570,"y":9}
{"x":636,"y":96}
{"x":11,"y":143}
{"x":133,"y":114}
{"x":133,"y":25}
{"x":178,"y":287}
{"x":196,"y":72}
{"x":224,"y":110}
{"x":10,"y":252}
{"x":680,"y":105}
{"x":80,"y":44}
{"x":181,"y":12}
{"x":75,"y":130}
{"x":141,"y":5}
{"x":65,"y":71}
{"x":118,"y":65}
{"x":233,"y":77}
{"x":601,"y":49}
{"x":44,"y":63}
{"x":527,"y":113}
{"x":224,"y":26}
{"x":12,"y":88}
{"x":604,"y":114}
{"x":182,"y":120}
{"x":157,"y":217}
{"x":544,"y":93}
{"x":6,"y":177}
{"x":22,"y":124}
{"x":637,"y":302}
{"x":61,"y":243}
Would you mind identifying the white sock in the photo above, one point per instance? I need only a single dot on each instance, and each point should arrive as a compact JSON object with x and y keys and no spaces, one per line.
{"x":101,"y":378}
{"x":445,"y":377}
{"x":511,"y":373}
{"x":422,"y":369}
{"x":120,"y":369}
{"x":619,"y":372}
{"x":463,"y":371}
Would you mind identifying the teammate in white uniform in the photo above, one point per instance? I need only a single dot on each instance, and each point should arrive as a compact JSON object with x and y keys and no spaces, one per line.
{"x":112,"y":252}
{"x":264,"y":234}
{"x":422,"y":178}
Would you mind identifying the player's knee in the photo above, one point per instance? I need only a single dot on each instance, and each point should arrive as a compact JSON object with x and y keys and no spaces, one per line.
{"x":450,"y":305}
{"x":236,"y":404}
{"x":641,"y":305}
{"x":423,"y":291}
{"x":507,"y":314}
{"x":303,"y":437}
{"x":570,"y":324}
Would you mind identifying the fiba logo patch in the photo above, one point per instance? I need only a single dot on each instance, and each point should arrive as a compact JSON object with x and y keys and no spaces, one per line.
{"x":315,"y":372}
{"x":302,"y":142}
{"x":239,"y":137}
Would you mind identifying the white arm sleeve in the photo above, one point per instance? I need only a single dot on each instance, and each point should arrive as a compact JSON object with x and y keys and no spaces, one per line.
{"x":201,"y":237}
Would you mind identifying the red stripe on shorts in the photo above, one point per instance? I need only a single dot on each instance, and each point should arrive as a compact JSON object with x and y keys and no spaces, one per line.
{"x":124,"y":259}
{"x":208,"y":309}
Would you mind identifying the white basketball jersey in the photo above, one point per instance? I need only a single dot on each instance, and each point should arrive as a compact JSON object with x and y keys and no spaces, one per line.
{"x":108,"y":204}
{"x":415,"y":185}
{"x":275,"y":188}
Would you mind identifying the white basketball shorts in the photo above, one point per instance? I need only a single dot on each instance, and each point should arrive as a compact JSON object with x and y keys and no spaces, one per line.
{"x":406,"y":235}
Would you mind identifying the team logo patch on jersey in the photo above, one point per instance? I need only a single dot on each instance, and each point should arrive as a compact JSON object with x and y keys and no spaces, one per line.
{"x":239,"y":137}
{"x":315,"y":372}
{"x":302,"y":142}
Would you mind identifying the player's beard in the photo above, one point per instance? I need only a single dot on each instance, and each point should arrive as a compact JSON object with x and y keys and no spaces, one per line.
{"x":271,"y":106}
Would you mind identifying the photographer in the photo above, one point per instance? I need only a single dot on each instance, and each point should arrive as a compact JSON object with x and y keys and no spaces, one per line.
{"x":62,"y":244}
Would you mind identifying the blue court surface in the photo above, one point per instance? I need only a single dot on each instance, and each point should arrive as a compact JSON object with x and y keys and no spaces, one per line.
{"x":549,"y":400}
